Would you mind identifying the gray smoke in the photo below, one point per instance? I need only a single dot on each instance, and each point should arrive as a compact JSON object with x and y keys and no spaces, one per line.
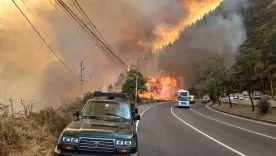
{"x":222,"y":31}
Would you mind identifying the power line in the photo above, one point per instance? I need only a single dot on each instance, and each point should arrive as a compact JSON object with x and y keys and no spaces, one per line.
{"x":44,"y":40}
{"x":76,"y":27}
{"x":100,"y":43}
{"x":95,"y":83}
{"x":95,"y":37}
{"x":70,"y":22}
{"x":83,"y":28}
{"x":88,"y":20}
{"x":25,"y":3}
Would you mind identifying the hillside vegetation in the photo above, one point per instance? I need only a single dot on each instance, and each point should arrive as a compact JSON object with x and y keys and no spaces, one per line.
{"x":255,"y":65}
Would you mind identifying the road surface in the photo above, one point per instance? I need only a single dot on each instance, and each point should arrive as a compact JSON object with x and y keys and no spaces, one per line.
{"x":166,"y":130}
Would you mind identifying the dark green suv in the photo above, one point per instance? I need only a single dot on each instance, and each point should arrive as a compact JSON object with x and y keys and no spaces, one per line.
{"x":104,"y":127}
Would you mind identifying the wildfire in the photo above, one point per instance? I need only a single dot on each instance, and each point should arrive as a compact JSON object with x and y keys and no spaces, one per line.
{"x":128,"y":69}
{"x":196,"y":10}
{"x":162,"y":87}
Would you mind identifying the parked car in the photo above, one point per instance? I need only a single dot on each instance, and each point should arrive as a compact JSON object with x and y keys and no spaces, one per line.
{"x":241,"y":97}
{"x":257,"y":95}
{"x":236,"y":96}
{"x":206,"y":99}
{"x":246,"y":97}
{"x":105,"y":126}
{"x":231,"y":96}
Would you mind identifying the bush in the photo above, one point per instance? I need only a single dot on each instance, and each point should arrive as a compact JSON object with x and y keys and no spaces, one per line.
{"x":9,"y":138}
{"x":263,"y":105}
{"x":30,"y":133}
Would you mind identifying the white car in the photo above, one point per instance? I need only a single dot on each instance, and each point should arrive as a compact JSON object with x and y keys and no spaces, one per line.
{"x":241,"y":97}
{"x":231,"y":96}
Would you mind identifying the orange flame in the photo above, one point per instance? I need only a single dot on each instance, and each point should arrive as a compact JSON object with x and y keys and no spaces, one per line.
{"x":167,"y":87}
{"x":128,"y":68}
{"x":197,"y":9}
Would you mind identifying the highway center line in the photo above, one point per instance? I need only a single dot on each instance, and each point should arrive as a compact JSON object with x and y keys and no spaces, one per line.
{"x":137,"y":123}
{"x":247,"y":130}
{"x":237,"y":152}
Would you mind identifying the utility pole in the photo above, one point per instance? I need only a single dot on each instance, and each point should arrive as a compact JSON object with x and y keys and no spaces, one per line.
{"x":82,"y":68}
{"x":136,"y":90}
{"x":137,"y":71}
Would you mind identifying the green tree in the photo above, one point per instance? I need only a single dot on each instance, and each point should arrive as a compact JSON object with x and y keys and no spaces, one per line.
{"x":110,"y":88}
{"x":119,"y":82}
{"x":216,"y":77}
{"x":247,"y":69}
{"x":129,"y":85}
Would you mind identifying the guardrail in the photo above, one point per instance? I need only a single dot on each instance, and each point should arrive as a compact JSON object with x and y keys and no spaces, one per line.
{"x":246,"y":102}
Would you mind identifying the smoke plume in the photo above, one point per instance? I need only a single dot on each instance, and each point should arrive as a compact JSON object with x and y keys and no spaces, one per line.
{"x":132,"y":28}
{"x":222,"y":31}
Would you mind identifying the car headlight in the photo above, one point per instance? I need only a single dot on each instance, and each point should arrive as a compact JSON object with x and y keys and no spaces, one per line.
{"x":128,"y":142}
{"x":124,"y":142}
{"x":72,"y":140}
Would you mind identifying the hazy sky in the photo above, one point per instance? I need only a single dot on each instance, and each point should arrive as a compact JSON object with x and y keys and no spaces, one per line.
{"x":133,"y":28}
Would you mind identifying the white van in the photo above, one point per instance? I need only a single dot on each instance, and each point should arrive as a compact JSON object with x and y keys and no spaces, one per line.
{"x":183,"y":98}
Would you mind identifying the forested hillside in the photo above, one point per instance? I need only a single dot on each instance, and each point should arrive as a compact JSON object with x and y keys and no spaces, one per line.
{"x":254,"y":65}
{"x":258,"y":54}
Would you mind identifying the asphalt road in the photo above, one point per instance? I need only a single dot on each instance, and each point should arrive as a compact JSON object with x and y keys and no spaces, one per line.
{"x":166,"y":130}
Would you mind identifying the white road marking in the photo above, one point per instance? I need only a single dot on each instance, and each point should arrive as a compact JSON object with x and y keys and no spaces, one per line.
{"x":247,"y":130}
{"x":260,"y":122}
{"x":137,"y":123}
{"x":224,"y":145}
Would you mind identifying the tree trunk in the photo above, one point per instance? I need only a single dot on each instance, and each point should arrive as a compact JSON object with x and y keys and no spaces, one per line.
{"x":252,"y":103}
{"x":218,"y":100}
{"x":263,"y":86}
{"x":271,"y":86}
{"x":228,"y":92}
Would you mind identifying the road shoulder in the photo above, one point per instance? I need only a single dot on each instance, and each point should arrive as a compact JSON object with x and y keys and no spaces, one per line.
{"x":249,"y":115}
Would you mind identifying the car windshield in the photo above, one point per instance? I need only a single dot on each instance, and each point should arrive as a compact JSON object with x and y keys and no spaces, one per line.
{"x":103,"y":108}
{"x":183,"y":94}
{"x":183,"y":98}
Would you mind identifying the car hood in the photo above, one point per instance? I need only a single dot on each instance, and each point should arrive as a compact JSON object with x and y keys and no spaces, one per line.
{"x":100,"y":129}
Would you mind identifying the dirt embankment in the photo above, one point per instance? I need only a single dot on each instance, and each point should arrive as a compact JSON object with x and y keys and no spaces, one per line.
{"x":246,"y":111}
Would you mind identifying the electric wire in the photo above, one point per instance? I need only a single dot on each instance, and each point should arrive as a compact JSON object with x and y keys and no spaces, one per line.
{"x":44,"y":39}
{"x":95,"y":37}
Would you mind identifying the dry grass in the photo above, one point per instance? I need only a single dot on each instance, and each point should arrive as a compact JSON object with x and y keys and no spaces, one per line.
{"x":27,"y":133}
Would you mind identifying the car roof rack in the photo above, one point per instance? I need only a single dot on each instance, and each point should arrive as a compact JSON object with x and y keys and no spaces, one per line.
{"x":98,"y":94}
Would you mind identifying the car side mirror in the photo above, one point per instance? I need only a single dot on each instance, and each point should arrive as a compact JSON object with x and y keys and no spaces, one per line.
{"x":137,"y":117}
{"x":77,"y":113}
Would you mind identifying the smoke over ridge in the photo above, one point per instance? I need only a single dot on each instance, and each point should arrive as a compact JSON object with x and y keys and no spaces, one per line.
{"x":132,"y":28}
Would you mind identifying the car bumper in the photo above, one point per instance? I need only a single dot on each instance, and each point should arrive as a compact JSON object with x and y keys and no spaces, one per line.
{"x":58,"y":152}
{"x":183,"y":104}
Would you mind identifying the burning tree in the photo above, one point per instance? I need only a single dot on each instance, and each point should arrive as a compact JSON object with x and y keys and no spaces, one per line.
{"x":163,"y":87}
{"x":155,"y":88}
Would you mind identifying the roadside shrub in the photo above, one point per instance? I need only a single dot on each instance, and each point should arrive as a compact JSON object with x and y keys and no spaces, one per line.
{"x":263,"y":105}
{"x":53,"y":120}
{"x":9,"y":138}
{"x":28,"y":133}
